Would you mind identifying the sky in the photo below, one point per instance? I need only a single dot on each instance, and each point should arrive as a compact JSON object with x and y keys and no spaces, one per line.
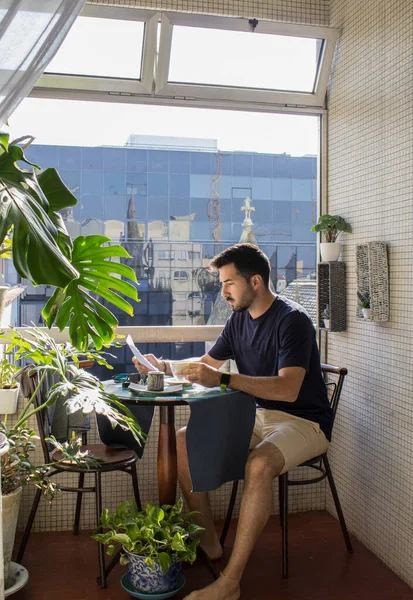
{"x":65,"y":122}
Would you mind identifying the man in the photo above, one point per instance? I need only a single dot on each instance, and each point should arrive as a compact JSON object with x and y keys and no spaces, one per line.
{"x":272,"y":341}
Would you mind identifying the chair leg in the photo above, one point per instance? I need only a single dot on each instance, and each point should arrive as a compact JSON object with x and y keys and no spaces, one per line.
{"x":283,"y":483}
{"x":337,"y":503}
{"x":78,"y":505}
{"x":29,"y":526}
{"x":229,"y":513}
{"x":280,"y":499}
{"x":101,"y":551}
{"x":135,"y":484}
{"x":214,"y":572}
{"x":112,"y":564}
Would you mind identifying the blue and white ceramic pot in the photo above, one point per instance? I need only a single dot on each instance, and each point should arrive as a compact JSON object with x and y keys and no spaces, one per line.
{"x":153,"y":580}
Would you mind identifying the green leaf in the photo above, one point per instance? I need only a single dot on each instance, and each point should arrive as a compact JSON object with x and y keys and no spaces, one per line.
{"x":121,"y":538}
{"x":4,"y":140}
{"x":58,"y":195}
{"x":24,"y":205}
{"x":165,"y":561}
{"x":178,"y":543}
{"x":75,"y":306}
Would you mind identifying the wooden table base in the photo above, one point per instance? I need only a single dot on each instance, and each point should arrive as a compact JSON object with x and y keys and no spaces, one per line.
{"x":167,"y":457}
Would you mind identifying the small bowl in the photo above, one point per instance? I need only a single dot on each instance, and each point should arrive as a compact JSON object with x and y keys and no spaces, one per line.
{"x":131,"y":589}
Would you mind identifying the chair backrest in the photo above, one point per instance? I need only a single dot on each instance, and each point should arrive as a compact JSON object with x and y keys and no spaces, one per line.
{"x":29,"y":387}
{"x":52,"y":420}
{"x":336,"y":385}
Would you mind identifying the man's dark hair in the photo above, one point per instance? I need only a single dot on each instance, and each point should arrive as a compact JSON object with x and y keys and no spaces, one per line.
{"x":248,"y":260}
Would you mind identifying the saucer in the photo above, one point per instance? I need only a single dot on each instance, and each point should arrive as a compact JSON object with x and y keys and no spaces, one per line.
{"x":126,"y":584}
{"x":136,"y":388}
{"x":172,"y":381}
{"x":18,"y":577}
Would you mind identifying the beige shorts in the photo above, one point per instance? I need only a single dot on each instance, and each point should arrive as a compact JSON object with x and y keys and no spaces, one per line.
{"x":297,"y":439}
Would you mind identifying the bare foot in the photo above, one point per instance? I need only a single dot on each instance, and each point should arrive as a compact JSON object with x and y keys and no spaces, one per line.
{"x":222,"y":589}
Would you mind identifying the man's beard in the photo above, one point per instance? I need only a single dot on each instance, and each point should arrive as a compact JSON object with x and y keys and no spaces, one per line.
{"x":245,"y":302}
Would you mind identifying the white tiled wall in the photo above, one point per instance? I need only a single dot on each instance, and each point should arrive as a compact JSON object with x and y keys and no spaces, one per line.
{"x":300,"y":11}
{"x":371,"y":185}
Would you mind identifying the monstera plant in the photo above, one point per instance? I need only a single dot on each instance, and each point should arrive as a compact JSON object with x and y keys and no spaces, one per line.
{"x":44,"y":253}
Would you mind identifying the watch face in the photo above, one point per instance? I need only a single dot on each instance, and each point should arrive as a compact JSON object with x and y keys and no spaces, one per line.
{"x":225,"y":379}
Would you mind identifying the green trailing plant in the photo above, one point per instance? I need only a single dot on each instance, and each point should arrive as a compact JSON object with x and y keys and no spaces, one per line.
{"x":77,"y":388}
{"x":8,"y":372}
{"x":18,"y":470}
{"x":363,"y":299}
{"x":157,"y":534}
{"x":331,"y":226}
{"x":44,"y":253}
{"x":326,"y":314}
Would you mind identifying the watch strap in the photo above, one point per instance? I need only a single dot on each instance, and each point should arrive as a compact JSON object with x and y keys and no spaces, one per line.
{"x":225,"y":380}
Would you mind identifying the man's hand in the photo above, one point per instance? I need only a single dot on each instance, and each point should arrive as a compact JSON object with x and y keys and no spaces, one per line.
{"x":199,"y":372}
{"x":152,"y":359}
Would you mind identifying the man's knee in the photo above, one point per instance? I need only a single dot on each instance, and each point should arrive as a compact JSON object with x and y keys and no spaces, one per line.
{"x":264,"y":463}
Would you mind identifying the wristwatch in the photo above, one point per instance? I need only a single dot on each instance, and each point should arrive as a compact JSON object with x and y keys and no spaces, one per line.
{"x":225,"y":379}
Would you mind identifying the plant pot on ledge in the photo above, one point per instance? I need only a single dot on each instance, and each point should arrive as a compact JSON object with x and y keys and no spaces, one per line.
{"x":366,"y":313}
{"x":330,"y":251}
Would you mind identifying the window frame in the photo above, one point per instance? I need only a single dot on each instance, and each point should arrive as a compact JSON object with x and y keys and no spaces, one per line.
{"x":116,"y":86}
{"x":153,"y":87}
{"x":209,"y":92}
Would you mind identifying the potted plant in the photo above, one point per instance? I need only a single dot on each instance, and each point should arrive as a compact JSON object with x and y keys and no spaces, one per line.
{"x":154,"y":543}
{"x":78,"y":389}
{"x":331,"y":226}
{"x":364,"y":303}
{"x":33,"y":233}
{"x":325,"y":315}
{"x":9,"y":387}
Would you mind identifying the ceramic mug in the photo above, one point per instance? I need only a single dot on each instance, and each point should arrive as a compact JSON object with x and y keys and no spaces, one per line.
{"x":155,"y":381}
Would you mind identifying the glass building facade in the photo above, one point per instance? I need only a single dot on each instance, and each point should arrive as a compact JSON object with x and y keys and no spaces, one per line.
{"x":174,"y":203}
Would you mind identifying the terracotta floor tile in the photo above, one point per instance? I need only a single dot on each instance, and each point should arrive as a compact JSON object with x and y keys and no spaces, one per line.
{"x":65,"y":567}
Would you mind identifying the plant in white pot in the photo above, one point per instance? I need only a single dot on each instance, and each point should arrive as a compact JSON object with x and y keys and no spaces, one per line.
{"x":364,"y":303}
{"x":326,"y":316}
{"x":154,"y":543}
{"x":331,"y":226}
{"x":9,"y":387}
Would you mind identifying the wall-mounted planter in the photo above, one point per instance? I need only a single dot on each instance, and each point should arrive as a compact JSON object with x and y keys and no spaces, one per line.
{"x":373,"y":279}
{"x":331,"y":292}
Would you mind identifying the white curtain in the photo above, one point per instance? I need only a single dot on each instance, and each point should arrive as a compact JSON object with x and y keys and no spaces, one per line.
{"x":31,"y":32}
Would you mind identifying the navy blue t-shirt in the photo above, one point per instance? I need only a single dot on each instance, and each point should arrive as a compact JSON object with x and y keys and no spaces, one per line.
{"x":283,"y":336}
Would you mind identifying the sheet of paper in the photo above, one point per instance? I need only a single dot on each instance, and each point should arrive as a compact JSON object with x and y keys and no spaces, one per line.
{"x":138,"y":355}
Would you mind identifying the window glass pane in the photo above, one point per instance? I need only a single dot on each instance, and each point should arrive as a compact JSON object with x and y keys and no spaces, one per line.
{"x":101,"y":47}
{"x":172,"y":207}
{"x":261,"y":61}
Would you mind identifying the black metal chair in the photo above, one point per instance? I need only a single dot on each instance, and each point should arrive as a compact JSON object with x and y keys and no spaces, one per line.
{"x":319,"y":463}
{"x":112,"y":459}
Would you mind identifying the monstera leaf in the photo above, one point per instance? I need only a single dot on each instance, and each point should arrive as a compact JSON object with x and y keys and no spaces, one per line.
{"x":28,"y":205}
{"x":43,"y":252}
{"x":75,"y":306}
